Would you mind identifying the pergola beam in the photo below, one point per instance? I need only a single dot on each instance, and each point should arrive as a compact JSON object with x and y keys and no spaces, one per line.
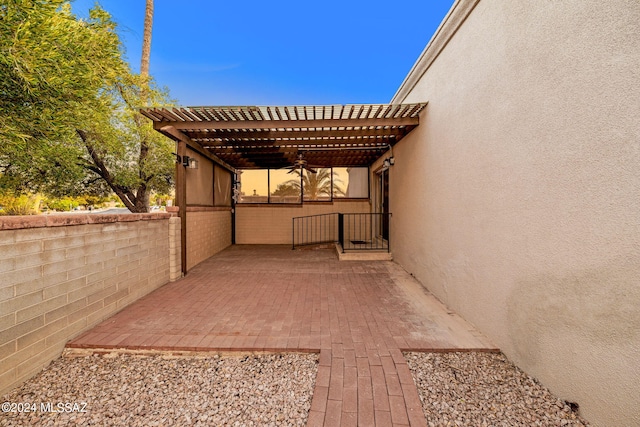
{"x":290,"y":124}
{"x":276,"y":134}
{"x":178,"y":136}
{"x":297,"y":149}
{"x":345,"y":144}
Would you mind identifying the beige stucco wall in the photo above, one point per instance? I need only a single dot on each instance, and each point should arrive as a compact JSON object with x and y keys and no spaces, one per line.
{"x":273,"y":224}
{"x":208,"y":232}
{"x":517,"y":200}
{"x":62,"y":274}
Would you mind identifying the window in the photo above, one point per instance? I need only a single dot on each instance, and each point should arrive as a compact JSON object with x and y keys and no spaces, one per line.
{"x":351,"y":183}
{"x":286,"y":186}
{"x":254,"y":186}
{"x":317,"y":186}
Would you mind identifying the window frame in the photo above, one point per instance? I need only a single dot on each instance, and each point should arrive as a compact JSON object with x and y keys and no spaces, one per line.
{"x":301,"y":199}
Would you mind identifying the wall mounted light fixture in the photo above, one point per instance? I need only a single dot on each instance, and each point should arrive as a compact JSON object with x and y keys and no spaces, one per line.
{"x":389,"y":161}
{"x":186,"y":161}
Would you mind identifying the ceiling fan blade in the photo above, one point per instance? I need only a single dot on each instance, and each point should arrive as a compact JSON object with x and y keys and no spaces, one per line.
{"x":311,"y":170}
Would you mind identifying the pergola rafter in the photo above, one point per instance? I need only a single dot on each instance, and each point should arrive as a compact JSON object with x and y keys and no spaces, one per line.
{"x":272,"y":137}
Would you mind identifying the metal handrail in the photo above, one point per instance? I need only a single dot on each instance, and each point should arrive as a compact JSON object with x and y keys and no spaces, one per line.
{"x":315,"y":229}
{"x":354,"y":231}
{"x":363,"y":232}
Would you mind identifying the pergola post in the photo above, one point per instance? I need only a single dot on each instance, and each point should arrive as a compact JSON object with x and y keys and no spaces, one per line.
{"x":183,"y":142}
{"x":181,"y":201}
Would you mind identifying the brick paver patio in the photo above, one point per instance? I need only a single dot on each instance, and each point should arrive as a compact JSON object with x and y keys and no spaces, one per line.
{"x":360,"y":316}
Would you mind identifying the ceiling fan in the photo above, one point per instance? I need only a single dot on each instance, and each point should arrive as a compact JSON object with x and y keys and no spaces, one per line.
{"x":301,"y":163}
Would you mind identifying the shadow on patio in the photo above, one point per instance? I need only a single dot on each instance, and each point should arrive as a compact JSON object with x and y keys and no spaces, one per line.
{"x":359,"y":315}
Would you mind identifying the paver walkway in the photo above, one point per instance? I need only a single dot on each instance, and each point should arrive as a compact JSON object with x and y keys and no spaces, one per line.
{"x":360,"y":315}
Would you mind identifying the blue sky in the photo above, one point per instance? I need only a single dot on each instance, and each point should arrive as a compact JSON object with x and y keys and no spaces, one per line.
{"x":278,"y":52}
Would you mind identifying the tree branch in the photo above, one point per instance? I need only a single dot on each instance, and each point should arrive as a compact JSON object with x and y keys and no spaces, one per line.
{"x":127,"y":197}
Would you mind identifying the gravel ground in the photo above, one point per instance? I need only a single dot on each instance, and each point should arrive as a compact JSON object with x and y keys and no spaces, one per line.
{"x":483,"y":389}
{"x":155,"y":390}
{"x":114,"y":389}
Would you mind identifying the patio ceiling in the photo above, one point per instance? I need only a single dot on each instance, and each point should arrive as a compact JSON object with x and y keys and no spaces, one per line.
{"x":272,"y":137}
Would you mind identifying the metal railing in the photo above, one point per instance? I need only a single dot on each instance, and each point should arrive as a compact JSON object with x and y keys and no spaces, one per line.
{"x":363,"y":231}
{"x":354,"y":231}
{"x":315,"y":229}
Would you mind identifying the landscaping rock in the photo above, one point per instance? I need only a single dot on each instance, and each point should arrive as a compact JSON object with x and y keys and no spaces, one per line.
{"x":484,"y":389}
{"x":155,"y":390}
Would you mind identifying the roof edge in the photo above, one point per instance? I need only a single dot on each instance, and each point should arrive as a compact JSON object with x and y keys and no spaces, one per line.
{"x":458,"y":13}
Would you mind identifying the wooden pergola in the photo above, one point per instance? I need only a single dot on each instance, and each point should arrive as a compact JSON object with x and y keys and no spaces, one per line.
{"x":271,"y":137}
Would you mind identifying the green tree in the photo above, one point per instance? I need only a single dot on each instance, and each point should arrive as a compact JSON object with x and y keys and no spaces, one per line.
{"x":125,"y":151}
{"x":49,"y":66}
{"x":68,"y":108}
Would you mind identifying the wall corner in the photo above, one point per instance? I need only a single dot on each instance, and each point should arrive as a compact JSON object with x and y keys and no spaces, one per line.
{"x":175,"y":249}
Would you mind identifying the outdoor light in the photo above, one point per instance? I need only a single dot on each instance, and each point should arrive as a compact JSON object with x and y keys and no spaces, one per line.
{"x":389,"y":161}
{"x":188,"y":162}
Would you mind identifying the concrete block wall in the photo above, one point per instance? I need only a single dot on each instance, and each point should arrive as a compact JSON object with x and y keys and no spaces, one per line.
{"x":272,"y":224}
{"x":60,"y":275}
{"x":208,"y":232}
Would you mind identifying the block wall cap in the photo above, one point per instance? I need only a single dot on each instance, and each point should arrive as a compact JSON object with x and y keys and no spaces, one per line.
{"x":41,"y":221}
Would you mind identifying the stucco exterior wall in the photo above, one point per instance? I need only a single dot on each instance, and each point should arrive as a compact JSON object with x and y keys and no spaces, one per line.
{"x":517,"y":199}
{"x":273,"y":224}
{"x":208,"y":232}
{"x":62,"y":274}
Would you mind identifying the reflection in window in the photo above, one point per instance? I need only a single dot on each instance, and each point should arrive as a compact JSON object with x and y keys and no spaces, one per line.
{"x":351,"y":182}
{"x":284,"y":185}
{"x":317,"y":186}
{"x":340,"y":182}
{"x":254,"y":186}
